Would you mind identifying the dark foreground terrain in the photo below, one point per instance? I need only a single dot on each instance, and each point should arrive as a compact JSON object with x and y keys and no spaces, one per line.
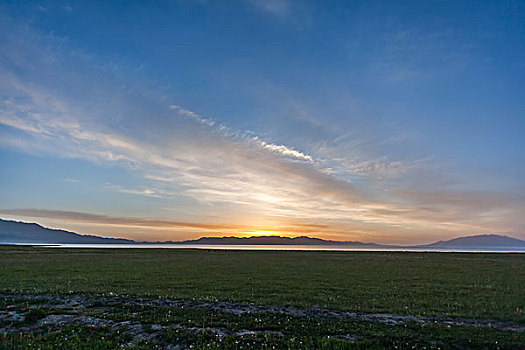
{"x":178,"y":299}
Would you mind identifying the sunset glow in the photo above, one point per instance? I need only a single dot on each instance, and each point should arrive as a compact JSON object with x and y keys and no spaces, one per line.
{"x":267,"y":233}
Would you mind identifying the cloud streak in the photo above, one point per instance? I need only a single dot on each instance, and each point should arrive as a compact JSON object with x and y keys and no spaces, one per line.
{"x":98,"y":219}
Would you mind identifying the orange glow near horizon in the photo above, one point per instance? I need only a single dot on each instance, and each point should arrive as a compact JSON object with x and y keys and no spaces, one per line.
{"x":140,"y":229}
{"x":266,"y":233}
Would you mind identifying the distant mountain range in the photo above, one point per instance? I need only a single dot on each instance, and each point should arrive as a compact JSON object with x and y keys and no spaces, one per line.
{"x":479,"y":241}
{"x":22,"y":232}
{"x":274,"y":240}
{"x":26,"y":233}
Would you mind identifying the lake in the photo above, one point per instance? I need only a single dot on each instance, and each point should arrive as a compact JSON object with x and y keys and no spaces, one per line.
{"x":283,"y":247}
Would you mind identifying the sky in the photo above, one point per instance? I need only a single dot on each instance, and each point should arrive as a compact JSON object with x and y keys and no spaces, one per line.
{"x":377,"y":121}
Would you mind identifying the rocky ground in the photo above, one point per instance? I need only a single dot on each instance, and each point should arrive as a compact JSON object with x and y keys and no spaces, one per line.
{"x":128,"y":322}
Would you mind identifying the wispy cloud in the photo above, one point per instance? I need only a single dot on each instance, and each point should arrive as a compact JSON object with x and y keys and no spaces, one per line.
{"x":147,"y":192}
{"x":111,"y":220}
{"x":243,"y":136}
{"x":71,"y":216}
{"x":285,"y":151}
{"x":193,"y":115}
{"x":274,"y":7}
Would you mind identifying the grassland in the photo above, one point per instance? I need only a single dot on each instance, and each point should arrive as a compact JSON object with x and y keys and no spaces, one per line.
{"x":440,"y":287}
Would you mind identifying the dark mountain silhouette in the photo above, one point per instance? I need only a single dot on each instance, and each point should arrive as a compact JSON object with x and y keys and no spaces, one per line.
{"x":22,"y":232}
{"x":472,"y":242}
{"x":274,"y":240}
{"x":479,"y":241}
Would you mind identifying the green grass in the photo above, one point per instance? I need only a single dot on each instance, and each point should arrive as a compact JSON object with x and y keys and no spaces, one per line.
{"x":484,"y":286}
{"x":466,"y":285}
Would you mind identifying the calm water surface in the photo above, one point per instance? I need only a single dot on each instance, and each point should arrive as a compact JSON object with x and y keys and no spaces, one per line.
{"x":280,"y":247}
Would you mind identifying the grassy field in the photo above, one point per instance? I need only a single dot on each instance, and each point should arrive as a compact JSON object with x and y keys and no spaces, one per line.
{"x":446,"y":285}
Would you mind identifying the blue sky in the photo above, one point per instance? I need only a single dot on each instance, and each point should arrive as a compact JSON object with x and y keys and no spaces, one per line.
{"x":394,"y":122}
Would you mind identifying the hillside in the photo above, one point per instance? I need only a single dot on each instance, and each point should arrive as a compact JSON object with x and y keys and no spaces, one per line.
{"x":273,"y":240}
{"x":21,"y":232}
{"x":480,"y":241}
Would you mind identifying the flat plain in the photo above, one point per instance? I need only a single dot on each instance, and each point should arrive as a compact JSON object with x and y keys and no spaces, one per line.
{"x":178,"y":298}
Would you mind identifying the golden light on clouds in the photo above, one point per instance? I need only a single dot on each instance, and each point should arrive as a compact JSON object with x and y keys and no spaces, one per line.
{"x":266,"y":233}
